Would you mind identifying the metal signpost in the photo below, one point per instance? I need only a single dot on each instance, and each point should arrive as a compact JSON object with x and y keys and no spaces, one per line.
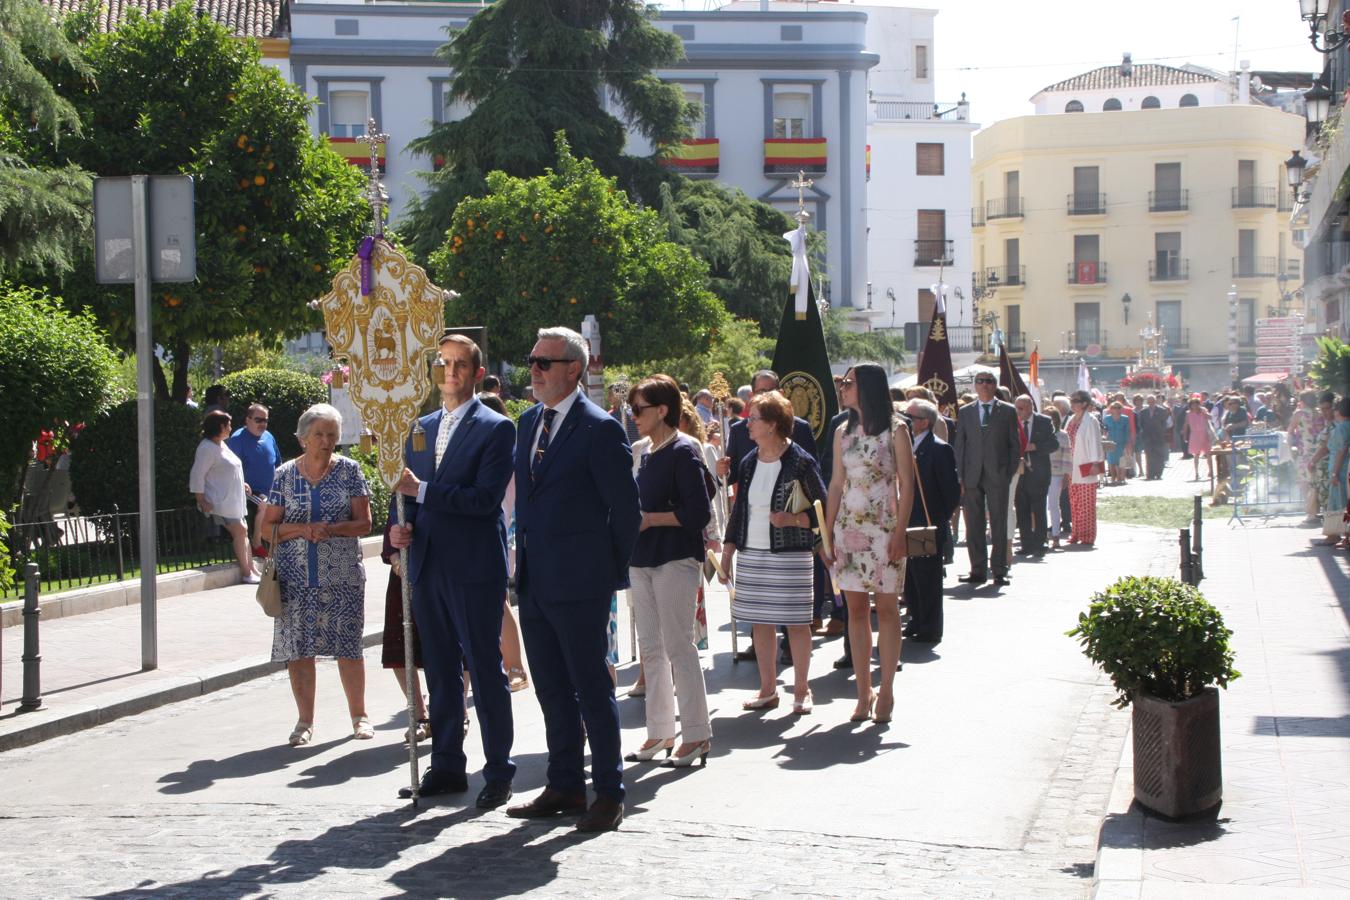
{"x":144,"y":231}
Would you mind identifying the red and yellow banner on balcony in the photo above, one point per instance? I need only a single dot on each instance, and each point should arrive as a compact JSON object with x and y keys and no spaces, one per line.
{"x":791,"y":154}
{"x":356,"y":153}
{"x":695,"y":155}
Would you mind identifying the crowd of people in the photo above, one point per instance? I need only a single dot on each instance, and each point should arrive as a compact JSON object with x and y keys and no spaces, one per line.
{"x":654,"y":496}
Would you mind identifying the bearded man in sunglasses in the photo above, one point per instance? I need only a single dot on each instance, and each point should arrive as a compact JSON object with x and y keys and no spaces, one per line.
{"x":988,"y":450}
{"x":577,"y":521}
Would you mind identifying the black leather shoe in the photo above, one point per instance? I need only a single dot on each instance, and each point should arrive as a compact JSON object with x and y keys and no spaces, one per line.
{"x":604,"y":815}
{"x":844,"y":662}
{"x":493,"y":794}
{"x":925,"y":639}
{"x":973,"y":579}
{"x":435,"y":782}
{"x":1002,"y":580}
{"x":548,"y":803}
{"x":747,"y":655}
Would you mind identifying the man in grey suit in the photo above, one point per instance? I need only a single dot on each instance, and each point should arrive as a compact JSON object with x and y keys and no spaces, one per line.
{"x":988,"y":450}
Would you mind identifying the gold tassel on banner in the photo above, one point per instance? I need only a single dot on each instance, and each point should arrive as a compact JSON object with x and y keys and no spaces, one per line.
{"x":419,"y":438}
{"x":438,"y":371}
{"x":339,"y":380}
{"x":367,"y":440}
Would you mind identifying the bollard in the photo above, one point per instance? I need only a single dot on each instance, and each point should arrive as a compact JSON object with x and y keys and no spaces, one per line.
{"x":1187,"y":568}
{"x":1197,"y":544}
{"x":117,"y":536}
{"x":32,"y":659}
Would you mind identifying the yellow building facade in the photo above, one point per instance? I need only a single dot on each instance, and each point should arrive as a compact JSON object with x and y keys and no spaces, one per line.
{"x":1089,"y":226}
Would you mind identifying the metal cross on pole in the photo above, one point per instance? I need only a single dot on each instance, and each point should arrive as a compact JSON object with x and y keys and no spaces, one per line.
{"x":376,"y":195}
{"x":801,"y":184}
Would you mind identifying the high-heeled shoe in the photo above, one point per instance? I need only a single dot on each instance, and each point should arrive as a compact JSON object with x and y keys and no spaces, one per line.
{"x":864,"y":716}
{"x":881,"y":718}
{"x":683,"y":762}
{"x":647,"y":754}
{"x":803,"y":706}
{"x":302,"y":734}
{"x":769,"y":702}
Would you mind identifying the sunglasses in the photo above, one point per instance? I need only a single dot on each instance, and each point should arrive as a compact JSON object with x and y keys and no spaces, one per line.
{"x":984,"y":381}
{"x":543,"y":362}
{"x":638,"y":409}
{"x":847,"y":382}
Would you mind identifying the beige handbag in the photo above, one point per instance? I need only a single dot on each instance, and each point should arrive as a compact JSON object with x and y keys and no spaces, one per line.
{"x":269,"y":585}
{"x":922,"y":540}
{"x":796,"y":501}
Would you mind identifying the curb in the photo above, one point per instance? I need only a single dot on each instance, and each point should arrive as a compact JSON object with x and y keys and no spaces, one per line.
{"x":47,"y":722}
{"x":1118,"y":872}
{"x":128,"y":593}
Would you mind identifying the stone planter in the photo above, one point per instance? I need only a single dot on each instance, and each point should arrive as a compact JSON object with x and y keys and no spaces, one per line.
{"x":1177,"y":762}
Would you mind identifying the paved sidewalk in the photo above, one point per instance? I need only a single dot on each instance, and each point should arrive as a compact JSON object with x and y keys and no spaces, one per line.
{"x":1283,"y":829}
{"x":91,"y":663}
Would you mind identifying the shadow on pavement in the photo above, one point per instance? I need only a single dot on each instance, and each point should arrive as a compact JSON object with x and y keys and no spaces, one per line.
{"x":203,"y":773}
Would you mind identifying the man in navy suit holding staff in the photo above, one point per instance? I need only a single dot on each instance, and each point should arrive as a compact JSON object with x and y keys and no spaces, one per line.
{"x":457,"y":567}
{"x":577,"y":520}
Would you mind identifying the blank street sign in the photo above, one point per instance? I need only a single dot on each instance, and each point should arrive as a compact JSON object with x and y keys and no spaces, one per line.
{"x":173,"y":233}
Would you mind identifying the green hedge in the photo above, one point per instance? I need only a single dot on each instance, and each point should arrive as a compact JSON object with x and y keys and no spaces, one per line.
{"x":286,"y":395}
{"x":379,"y":494}
{"x":103,"y":459}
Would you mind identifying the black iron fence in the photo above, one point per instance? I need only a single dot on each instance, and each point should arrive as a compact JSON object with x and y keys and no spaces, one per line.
{"x":1170,"y":200}
{"x":77,"y":551}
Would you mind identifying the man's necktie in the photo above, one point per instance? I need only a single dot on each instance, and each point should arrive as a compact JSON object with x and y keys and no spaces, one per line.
{"x":443,"y":438}
{"x":984,"y":414}
{"x":543,"y":440}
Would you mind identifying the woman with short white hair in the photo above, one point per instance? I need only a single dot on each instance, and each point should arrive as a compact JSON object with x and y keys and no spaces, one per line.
{"x":320,"y":505}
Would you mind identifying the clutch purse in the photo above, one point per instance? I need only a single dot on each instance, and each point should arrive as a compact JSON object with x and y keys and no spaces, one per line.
{"x":797,"y":502}
{"x":921,"y":540}
{"x":269,"y":584}
{"x":1091,"y":468}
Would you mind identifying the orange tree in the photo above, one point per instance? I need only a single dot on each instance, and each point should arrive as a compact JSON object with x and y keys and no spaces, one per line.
{"x":277,"y":211}
{"x":553,"y":249}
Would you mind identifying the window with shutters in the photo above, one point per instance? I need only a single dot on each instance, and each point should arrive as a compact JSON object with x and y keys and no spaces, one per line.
{"x":920,"y":62}
{"x":930,"y":159}
{"x":347,"y":113}
{"x":791,"y":114}
{"x":932,"y":245}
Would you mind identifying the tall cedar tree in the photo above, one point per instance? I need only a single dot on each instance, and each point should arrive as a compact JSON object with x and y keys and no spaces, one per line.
{"x":531,"y":68}
{"x":277,"y":211}
{"x":44,"y":210}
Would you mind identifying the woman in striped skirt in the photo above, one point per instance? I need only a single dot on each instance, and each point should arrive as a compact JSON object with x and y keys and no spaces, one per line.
{"x":774,"y":573}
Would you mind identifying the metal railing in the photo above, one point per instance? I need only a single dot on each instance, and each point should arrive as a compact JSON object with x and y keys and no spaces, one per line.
{"x":1254,"y":267}
{"x":1005,"y":208}
{"x":1080,"y":275}
{"x":1173,"y":269}
{"x":1246,"y":334}
{"x":1253,"y":196}
{"x":1004,"y":276}
{"x":1086,"y":338}
{"x":976,"y":217}
{"x":77,"y":551}
{"x":1016,"y":341}
{"x":1176,"y":338}
{"x":1086,"y":204}
{"x":1171,"y":200}
{"x":888,"y":109}
{"x":933,"y":252}
{"x":960,"y":338}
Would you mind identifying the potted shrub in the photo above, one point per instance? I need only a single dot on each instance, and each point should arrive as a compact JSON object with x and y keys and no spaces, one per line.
{"x":1165,"y":649}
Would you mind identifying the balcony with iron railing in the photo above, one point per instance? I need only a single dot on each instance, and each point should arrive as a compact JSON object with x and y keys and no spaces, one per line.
{"x":1086,"y":337}
{"x":1005,"y":208}
{"x":1170,"y":200}
{"x":1175,"y":337}
{"x":1084,"y":204}
{"x":933,"y":252}
{"x":1254,"y":267}
{"x":976,"y":217}
{"x":1016,"y":341}
{"x":1003,"y":276}
{"x":1169,"y":269}
{"x":788,"y":156}
{"x":1253,"y":196}
{"x":960,"y":338}
{"x":1246,"y":334}
{"x":898,"y":109}
{"x":1087,"y":272}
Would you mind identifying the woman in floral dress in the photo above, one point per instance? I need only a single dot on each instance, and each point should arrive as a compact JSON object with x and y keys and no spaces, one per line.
{"x":321,"y":506}
{"x":1308,"y":434}
{"x":871,"y":492}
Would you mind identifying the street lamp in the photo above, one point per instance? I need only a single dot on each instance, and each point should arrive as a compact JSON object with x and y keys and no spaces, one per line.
{"x":1294,"y":168}
{"x":1315,"y":12}
{"x":1125,"y":304}
{"x":1317,"y":101}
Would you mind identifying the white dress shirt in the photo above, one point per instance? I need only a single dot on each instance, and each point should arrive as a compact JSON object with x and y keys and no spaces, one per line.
{"x":449,"y":422}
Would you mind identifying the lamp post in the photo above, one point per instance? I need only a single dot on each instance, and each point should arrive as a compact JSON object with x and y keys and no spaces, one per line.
{"x":1315,"y":13}
{"x":1233,"y":335}
{"x":1068,"y":354}
{"x":1125,"y":305}
{"x":1317,"y":103}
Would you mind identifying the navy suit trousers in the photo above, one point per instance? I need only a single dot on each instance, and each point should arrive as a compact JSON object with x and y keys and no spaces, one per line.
{"x":566,"y":644}
{"x":460,"y":625}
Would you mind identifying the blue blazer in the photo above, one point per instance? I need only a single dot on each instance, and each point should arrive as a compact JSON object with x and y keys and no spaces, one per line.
{"x":577,"y":519}
{"x":460,"y":523}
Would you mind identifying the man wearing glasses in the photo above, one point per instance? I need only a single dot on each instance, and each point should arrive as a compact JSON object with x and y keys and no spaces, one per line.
{"x":988,"y":450}
{"x":257,"y":450}
{"x":577,"y":521}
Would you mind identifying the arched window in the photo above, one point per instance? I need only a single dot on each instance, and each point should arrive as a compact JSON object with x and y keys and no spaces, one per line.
{"x":1190,"y":100}
{"x":1112,"y":105}
{"x":1073,"y":106}
{"x":1151,"y":103}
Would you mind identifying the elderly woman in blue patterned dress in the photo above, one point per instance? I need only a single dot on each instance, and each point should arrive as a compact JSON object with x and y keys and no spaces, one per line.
{"x":322,"y":506}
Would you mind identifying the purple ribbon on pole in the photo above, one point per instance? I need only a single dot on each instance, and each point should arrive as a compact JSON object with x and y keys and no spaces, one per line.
{"x":364,"y":253}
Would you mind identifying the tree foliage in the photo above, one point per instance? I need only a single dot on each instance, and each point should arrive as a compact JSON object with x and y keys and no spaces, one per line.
{"x":531,"y":68}
{"x":55,"y":368}
{"x":1331,"y":369}
{"x":737,"y":352}
{"x":882,"y":346}
{"x":553,"y":249}
{"x":277,"y":212}
{"x":285,"y":394}
{"x":104,"y":468}
{"x":44,"y":211}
